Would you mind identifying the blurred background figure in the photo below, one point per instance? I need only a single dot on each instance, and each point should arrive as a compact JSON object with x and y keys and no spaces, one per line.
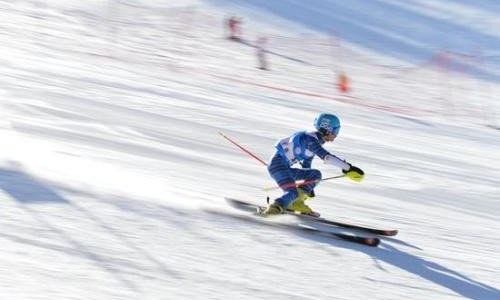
{"x":261,"y":53}
{"x":234,"y":26}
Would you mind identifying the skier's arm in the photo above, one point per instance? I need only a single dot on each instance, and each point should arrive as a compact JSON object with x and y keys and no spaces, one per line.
{"x":351,"y":171}
{"x":334,"y":160}
{"x":328,"y":158}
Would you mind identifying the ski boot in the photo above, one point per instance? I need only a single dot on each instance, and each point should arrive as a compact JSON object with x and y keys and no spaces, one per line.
{"x":273,"y":209}
{"x":299,"y":206}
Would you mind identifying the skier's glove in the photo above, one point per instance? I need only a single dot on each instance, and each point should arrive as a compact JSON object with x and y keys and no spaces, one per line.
{"x":354,"y":173}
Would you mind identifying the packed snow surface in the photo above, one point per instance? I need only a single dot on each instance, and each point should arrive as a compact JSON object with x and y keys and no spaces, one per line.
{"x":113,"y":172}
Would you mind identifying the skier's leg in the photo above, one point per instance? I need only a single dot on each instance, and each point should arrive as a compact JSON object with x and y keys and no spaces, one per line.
{"x":306,"y":175}
{"x":280,"y":171}
{"x":304,"y":190}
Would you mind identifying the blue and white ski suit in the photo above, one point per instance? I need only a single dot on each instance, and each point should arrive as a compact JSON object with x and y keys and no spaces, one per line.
{"x":301,"y":148}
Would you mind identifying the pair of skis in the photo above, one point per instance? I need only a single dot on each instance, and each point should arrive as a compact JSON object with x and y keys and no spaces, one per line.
{"x":368,"y":241}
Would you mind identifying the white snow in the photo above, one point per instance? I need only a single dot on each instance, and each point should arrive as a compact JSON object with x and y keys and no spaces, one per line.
{"x":111,"y":162}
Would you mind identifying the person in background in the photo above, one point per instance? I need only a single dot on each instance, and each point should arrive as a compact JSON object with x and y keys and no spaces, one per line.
{"x":261,"y":53}
{"x":234,"y":24}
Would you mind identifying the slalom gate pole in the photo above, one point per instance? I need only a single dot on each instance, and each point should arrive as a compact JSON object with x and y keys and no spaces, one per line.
{"x":243,"y":149}
{"x":262,"y":162}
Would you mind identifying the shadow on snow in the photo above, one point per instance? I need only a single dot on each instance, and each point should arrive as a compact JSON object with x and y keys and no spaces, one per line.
{"x":30,"y":192}
{"x":391,"y":255}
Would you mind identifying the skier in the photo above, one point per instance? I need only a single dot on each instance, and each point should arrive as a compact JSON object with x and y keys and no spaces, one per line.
{"x":301,"y":147}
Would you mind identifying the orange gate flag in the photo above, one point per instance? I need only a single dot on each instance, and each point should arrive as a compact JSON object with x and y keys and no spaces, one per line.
{"x":343,"y":83}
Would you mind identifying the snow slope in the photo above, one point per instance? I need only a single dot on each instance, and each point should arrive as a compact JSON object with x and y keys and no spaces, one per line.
{"x":112,"y":171}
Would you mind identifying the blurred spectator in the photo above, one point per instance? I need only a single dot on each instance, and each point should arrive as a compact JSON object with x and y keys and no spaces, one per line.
{"x":261,"y":53}
{"x":234,"y":24}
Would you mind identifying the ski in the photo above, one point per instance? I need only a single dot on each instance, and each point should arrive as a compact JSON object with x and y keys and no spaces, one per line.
{"x":385,"y":232}
{"x":363,"y":240}
{"x":248,"y":207}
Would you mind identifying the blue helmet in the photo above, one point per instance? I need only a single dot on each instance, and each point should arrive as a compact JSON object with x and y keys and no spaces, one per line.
{"x":328,"y":122}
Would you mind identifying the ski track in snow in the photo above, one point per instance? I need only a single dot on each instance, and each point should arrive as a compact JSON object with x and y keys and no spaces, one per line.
{"x":111,"y":164}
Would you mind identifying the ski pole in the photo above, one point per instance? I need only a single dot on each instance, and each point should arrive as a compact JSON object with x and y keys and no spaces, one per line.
{"x":262,"y":162}
{"x":243,"y":149}
{"x":300,"y":183}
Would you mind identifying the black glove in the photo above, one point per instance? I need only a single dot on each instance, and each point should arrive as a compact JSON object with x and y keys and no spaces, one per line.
{"x":354,"y":173}
{"x":353,"y":169}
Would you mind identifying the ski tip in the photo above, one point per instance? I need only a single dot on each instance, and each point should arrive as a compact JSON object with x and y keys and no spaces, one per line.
{"x":390,"y":232}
